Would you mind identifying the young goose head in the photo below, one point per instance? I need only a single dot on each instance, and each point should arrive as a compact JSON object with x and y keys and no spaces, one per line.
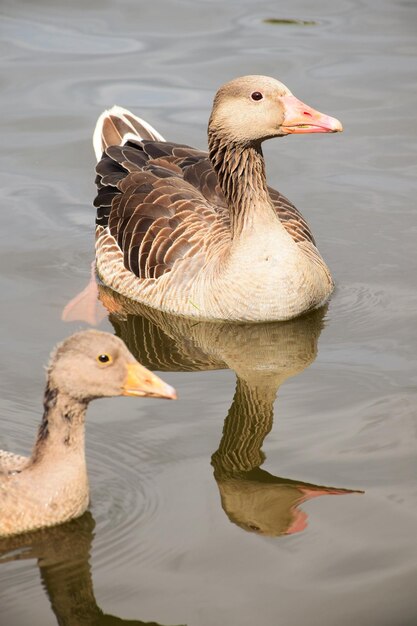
{"x":251,"y":109}
{"x":93,"y":364}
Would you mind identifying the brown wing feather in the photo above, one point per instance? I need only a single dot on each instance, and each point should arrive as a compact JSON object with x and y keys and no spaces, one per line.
{"x":159,"y":200}
{"x":154,"y":214}
{"x":291,"y":218}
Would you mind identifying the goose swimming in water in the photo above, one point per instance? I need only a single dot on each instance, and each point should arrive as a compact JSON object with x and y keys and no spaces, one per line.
{"x":51,"y":486}
{"x":202,"y":235}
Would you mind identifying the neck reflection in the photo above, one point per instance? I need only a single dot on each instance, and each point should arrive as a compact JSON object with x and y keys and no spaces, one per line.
{"x":251,"y":497}
{"x":63,"y":557}
{"x":263,"y":356}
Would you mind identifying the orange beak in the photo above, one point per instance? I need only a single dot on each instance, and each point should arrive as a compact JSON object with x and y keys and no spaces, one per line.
{"x":141,"y":382}
{"x":299,"y":118}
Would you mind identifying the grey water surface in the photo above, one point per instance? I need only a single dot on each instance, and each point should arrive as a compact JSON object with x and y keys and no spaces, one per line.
{"x":228,"y":507}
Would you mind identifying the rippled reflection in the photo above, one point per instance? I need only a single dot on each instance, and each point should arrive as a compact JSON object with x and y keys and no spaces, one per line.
{"x":263,"y":356}
{"x":252,"y":498}
{"x":63,"y":554}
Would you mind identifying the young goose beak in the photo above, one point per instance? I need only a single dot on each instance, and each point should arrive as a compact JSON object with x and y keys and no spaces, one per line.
{"x":300,"y":118}
{"x":140,"y":381}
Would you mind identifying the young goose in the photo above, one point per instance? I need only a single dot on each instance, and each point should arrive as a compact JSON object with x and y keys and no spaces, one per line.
{"x":202,"y":235}
{"x":51,"y":486}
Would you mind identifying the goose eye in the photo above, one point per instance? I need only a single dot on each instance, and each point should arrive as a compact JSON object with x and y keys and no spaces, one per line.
{"x":104,"y":358}
{"x":256,"y":95}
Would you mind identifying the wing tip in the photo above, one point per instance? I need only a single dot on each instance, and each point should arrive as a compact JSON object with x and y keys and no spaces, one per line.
{"x":123,"y":124}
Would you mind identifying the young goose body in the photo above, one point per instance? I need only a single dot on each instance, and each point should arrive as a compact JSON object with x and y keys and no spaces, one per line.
{"x":202,"y":235}
{"x":51,"y":486}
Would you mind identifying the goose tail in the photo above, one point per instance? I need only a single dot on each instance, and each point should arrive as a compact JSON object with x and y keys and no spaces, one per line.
{"x":116,"y":126}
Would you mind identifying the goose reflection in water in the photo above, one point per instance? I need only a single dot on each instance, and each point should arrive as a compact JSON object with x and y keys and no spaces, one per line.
{"x":263,"y":356}
{"x":63,"y":554}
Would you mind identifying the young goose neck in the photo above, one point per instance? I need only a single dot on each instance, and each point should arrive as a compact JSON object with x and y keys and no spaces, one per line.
{"x":240,"y":169}
{"x":62,"y":427}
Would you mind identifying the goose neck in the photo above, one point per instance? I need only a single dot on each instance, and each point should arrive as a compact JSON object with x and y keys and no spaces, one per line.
{"x":61,"y":431}
{"x":240,"y":169}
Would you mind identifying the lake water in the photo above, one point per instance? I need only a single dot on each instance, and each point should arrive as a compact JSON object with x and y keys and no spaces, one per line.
{"x":203,"y":510}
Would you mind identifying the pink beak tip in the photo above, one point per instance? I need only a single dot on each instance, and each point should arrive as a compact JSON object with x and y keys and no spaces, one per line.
{"x":336,"y":126}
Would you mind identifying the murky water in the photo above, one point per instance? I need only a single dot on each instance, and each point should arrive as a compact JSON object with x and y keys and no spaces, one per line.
{"x":216,"y":509}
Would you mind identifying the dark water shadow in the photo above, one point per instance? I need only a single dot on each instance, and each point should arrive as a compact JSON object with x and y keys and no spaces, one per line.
{"x":263,"y":356}
{"x":288,"y":22}
{"x":63,"y":557}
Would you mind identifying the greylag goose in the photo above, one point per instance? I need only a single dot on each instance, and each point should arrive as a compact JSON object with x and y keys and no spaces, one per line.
{"x":202,"y":235}
{"x":51,"y":486}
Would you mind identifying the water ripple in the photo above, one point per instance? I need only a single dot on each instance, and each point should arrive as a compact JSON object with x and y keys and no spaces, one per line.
{"x":126,"y":502}
{"x":49,"y":38}
{"x":358,"y":302}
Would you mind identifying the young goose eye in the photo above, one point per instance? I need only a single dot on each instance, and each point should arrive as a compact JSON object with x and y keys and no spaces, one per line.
{"x":104,"y":358}
{"x":256,"y":95}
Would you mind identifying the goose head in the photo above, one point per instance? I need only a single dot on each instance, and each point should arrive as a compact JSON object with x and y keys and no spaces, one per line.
{"x":94,"y":364}
{"x":251,"y":109}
